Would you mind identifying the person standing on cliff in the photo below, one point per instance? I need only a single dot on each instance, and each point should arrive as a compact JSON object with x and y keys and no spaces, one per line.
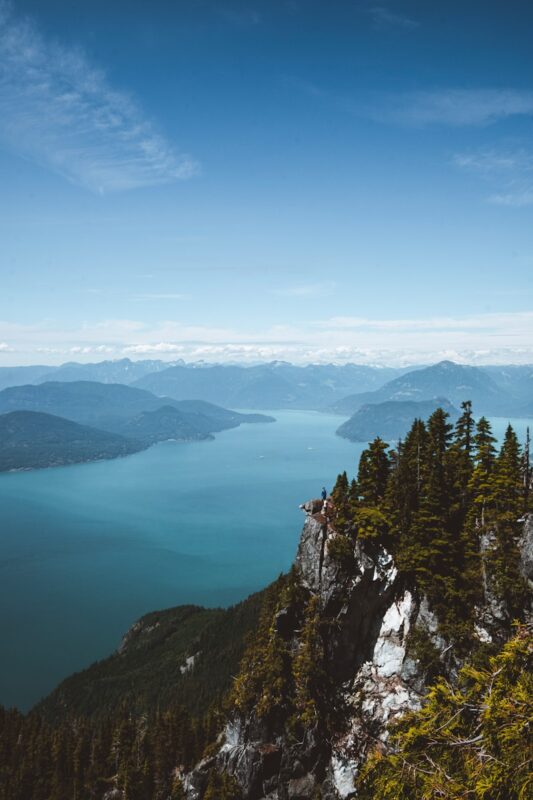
{"x":324,"y":494}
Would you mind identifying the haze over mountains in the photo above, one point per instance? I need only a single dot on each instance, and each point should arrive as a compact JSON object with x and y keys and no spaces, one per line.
{"x":120,"y":371}
{"x":59,"y":423}
{"x":493,"y":390}
{"x":151,"y":401}
{"x":274,"y":385}
{"x":342,"y":389}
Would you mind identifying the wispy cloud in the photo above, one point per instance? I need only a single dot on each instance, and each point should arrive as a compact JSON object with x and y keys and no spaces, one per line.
{"x":509,"y":173}
{"x":454,"y":107}
{"x":449,"y":107}
{"x":383,"y":17}
{"x":514,"y":199}
{"x":59,"y":110}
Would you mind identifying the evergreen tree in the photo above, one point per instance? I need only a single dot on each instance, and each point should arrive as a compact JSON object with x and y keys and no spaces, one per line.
{"x":484,"y":460}
{"x":473,"y":740}
{"x":527,"y":475}
{"x":308,"y":670}
{"x":507,"y":477}
{"x":340,"y":497}
{"x":374,"y":468}
{"x":460,"y":457}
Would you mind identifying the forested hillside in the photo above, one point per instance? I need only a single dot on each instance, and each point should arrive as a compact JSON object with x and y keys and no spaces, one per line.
{"x":407,"y":584}
{"x":31,"y":439}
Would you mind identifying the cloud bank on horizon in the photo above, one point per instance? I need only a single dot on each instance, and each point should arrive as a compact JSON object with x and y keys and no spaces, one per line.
{"x":475,"y":339}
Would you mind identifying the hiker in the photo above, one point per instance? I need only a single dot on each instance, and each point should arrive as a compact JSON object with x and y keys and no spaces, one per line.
{"x":324,"y":494}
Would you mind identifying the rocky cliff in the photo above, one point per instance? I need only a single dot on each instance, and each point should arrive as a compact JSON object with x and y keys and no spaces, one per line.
{"x":381,"y":645}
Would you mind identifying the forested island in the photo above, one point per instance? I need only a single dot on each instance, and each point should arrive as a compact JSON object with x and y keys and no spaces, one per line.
{"x":393,"y":661}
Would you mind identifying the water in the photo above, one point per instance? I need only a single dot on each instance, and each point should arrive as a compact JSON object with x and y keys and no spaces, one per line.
{"x":86,"y":550}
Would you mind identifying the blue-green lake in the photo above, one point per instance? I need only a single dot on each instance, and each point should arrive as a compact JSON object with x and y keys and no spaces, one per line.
{"x":86,"y":550}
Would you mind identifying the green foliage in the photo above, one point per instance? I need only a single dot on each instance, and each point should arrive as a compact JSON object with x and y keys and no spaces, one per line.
{"x":134,"y":721}
{"x":340,"y":497}
{"x":371,"y":523}
{"x":222,"y":787}
{"x":421,"y":649}
{"x":80,"y":759}
{"x":473,"y":740}
{"x":309,"y":669}
{"x":33,"y":440}
{"x":374,"y":467}
{"x":264,"y":678}
{"x":146,"y":676}
{"x":341,"y":550}
{"x":429,"y":502}
{"x":122,"y":724}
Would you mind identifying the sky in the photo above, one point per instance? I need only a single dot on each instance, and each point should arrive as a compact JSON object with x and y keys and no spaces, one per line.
{"x":248,"y":181}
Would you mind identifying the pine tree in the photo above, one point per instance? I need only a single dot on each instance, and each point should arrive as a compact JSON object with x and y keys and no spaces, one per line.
{"x":507,"y":479}
{"x":460,"y":458}
{"x":527,"y":475}
{"x":470,"y":740}
{"x":374,"y":468}
{"x":340,"y":497}
{"x":506,"y":482}
{"x":484,"y":460}
{"x":308,"y":669}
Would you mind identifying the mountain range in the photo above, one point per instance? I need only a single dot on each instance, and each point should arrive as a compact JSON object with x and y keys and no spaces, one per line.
{"x":273,"y":385}
{"x":119,"y":371}
{"x":492,"y":391}
{"x":341,"y":389}
{"x":60,"y":423}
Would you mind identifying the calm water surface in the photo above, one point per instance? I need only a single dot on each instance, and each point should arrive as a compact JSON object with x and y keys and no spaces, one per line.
{"x":86,"y":550}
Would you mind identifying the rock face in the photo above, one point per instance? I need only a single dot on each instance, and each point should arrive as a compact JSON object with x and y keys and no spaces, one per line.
{"x":526,"y":552}
{"x":371,"y":614}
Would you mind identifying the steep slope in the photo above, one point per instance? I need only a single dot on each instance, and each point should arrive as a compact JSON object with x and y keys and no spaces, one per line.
{"x":31,"y":440}
{"x":446,"y":379}
{"x":363,"y":646}
{"x":185,"y":655}
{"x":390,"y":420}
{"x":515,"y":380}
{"x":411,"y":571}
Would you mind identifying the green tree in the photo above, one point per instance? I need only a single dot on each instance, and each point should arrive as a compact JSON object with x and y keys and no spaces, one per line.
{"x":374,"y":468}
{"x":309,"y":670}
{"x":470,"y":741}
{"x":340,"y":497}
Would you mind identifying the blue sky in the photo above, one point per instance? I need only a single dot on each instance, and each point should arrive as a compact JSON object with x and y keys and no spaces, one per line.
{"x":343,"y":181}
